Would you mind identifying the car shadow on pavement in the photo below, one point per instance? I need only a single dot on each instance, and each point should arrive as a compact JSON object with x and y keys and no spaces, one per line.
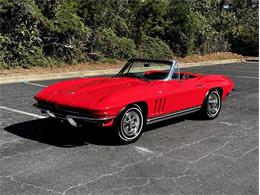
{"x":193,"y":117}
{"x":59,"y":134}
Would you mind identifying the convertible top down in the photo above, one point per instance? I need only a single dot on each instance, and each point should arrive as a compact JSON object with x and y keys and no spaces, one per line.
{"x":144,"y":91}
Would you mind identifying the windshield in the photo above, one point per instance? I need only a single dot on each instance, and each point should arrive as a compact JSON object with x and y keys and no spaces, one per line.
{"x":152,"y":70}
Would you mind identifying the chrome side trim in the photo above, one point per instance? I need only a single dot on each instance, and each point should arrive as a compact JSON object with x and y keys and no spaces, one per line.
{"x":173,"y":115}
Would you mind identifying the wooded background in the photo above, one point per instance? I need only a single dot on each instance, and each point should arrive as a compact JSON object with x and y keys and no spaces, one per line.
{"x":44,"y":32}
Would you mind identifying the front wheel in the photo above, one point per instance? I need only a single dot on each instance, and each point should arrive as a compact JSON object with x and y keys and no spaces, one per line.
{"x":212,"y":105}
{"x":129,"y":124}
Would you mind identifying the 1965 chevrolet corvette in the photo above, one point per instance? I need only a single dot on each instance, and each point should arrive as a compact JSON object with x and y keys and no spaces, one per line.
{"x":143,"y":92}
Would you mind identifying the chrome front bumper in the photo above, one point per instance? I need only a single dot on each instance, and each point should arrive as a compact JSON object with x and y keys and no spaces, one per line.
{"x":74,"y":120}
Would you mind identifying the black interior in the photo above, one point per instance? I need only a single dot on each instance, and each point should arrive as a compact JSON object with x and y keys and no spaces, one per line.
{"x":163,"y":75}
{"x":156,"y":75}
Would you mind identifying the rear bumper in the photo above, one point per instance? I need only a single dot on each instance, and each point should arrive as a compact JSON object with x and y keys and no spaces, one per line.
{"x":75,"y":119}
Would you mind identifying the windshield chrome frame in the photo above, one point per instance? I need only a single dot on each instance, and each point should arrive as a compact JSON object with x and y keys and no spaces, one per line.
{"x":174,"y":67}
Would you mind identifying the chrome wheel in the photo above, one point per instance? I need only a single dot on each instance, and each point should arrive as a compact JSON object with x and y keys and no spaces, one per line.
{"x":131,"y":124}
{"x":213,"y":104}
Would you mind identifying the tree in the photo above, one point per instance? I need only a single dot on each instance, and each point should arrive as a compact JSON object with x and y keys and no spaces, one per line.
{"x":43,"y":32}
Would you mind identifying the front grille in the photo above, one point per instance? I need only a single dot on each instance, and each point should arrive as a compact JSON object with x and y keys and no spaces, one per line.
{"x":64,"y":110}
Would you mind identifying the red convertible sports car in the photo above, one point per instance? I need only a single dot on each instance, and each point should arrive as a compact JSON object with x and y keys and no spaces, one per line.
{"x":143,"y":92}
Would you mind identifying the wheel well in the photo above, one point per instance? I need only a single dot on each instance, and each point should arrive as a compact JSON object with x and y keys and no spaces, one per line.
{"x":219,"y":89}
{"x":144,"y":107}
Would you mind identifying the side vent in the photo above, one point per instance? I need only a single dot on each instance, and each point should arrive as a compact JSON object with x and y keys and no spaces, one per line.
{"x":159,"y":106}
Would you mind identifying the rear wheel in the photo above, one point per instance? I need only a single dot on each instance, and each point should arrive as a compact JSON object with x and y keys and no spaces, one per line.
{"x":212,"y":105}
{"x":130,"y":124}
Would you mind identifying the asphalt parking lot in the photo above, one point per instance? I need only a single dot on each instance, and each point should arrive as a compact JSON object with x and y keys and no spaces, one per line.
{"x":180,"y":156}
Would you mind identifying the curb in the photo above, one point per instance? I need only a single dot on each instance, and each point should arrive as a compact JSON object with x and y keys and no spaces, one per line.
{"x":250,"y":58}
{"x":23,"y":78}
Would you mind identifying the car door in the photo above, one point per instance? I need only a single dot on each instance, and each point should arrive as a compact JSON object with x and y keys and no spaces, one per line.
{"x":183,"y":94}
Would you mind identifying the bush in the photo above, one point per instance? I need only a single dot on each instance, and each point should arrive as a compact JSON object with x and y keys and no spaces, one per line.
{"x":153,"y":48}
{"x":110,"y":45}
{"x":245,"y":41}
{"x":3,"y":55}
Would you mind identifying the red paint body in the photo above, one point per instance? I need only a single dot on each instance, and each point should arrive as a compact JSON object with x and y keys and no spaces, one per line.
{"x":107,"y":96}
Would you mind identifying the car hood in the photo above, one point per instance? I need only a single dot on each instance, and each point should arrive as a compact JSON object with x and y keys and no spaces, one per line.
{"x":87,"y":92}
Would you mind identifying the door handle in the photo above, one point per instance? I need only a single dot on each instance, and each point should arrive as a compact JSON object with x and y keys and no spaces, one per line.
{"x":199,"y":85}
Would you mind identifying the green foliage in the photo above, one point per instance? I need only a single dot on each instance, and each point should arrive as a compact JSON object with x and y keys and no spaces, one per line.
{"x":107,"y":42}
{"x":20,"y":41}
{"x":180,"y":34}
{"x":244,"y":34}
{"x":245,"y":40}
{"x":43,"y":32}
{"x":153,"y":48}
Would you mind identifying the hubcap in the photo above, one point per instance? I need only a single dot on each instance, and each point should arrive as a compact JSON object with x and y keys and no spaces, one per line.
{"x":213,"y":104}
{"x":131,"y":124}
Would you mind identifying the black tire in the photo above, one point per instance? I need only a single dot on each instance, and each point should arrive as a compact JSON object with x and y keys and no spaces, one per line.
{"x":212,"y":105}
{"x":129,"y":124}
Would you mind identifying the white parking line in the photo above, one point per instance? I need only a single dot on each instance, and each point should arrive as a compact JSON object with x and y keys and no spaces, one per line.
{"x":22,"y":112}
{"x":227,"y":123}
{"x":35,"y":84}
{"x":243,"y":77}
{"x":143,"y":150}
